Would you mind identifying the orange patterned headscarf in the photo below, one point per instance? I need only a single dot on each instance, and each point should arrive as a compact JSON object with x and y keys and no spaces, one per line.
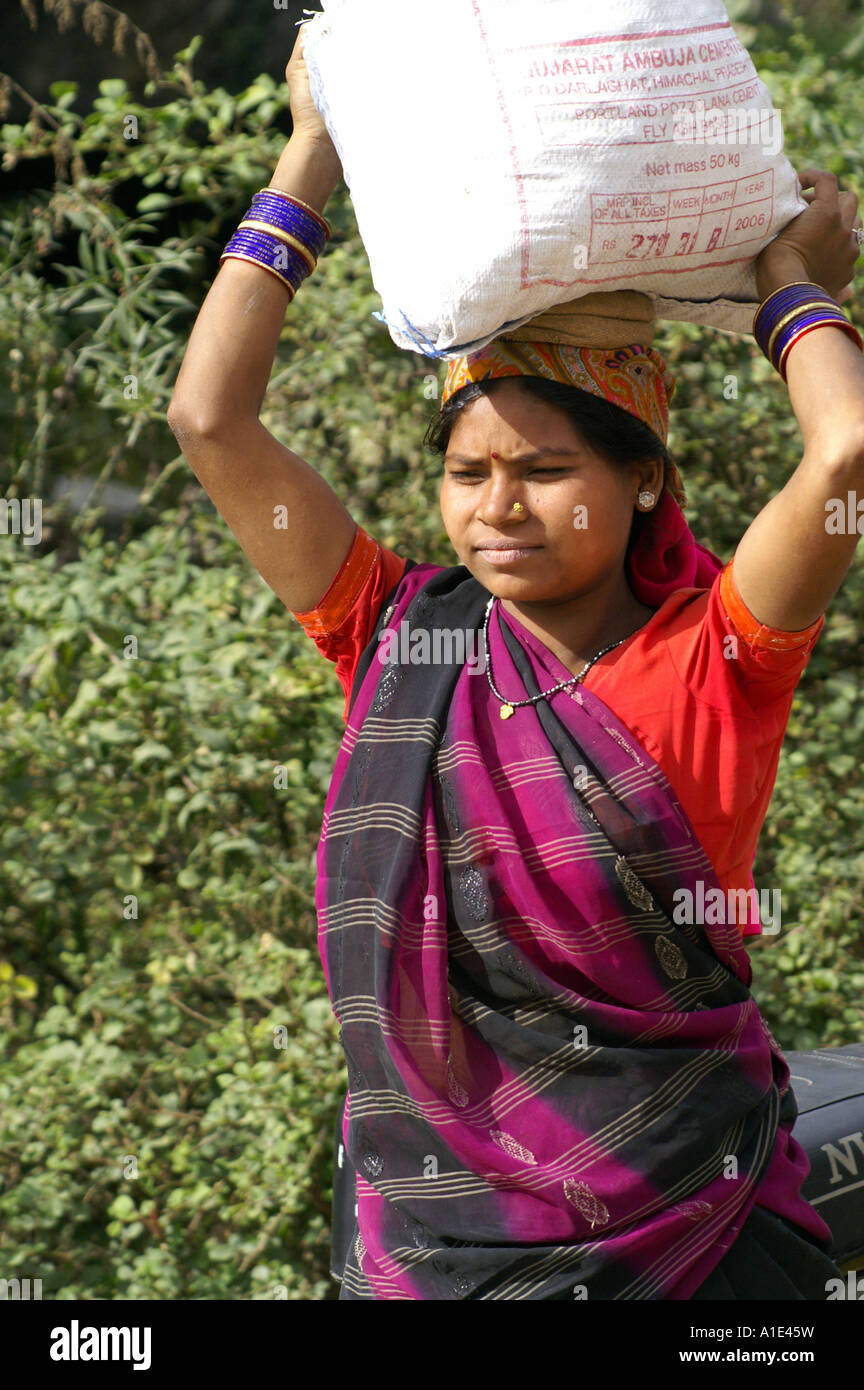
{"x":635,"y":378}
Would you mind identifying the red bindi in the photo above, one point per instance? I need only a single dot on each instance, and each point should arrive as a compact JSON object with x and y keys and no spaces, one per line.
{"x":495,"y":456}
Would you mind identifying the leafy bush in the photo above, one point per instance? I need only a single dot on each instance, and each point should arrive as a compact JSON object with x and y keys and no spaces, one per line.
{"x":167,"y":736}
{"x":167,"y":732}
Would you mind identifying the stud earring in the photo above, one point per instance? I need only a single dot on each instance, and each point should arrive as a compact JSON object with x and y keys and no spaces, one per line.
{"x":646,"y":498}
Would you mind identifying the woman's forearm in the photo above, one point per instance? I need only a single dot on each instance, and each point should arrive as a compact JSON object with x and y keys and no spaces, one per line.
{"x":223,"y":378}
{"x":793,"y":557}
{"x":825,"y":378}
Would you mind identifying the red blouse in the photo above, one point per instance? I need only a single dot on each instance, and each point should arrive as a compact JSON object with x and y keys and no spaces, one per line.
{"x":704,"y":687}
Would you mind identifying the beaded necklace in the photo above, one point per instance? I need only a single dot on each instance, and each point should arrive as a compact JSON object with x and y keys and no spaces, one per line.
{"x":509,"y":707}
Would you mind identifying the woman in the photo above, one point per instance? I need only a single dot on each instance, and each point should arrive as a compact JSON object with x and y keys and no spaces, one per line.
{"x":560,"y":1085}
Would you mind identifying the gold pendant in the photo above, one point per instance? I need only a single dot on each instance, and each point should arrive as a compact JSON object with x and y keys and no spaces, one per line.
{"x":506,"y":711}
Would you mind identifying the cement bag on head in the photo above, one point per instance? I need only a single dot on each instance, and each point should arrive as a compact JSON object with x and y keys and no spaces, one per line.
{"x":505,"y":157}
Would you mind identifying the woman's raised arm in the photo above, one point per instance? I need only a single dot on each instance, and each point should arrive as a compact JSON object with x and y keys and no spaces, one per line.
{"x":794,"y":556}
{"x":252,"y":479}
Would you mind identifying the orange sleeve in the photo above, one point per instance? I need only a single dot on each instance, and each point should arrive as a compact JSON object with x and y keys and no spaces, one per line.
{"x":769,"y":660}
{"x":342,"y":623}
{"x":756,"y":634}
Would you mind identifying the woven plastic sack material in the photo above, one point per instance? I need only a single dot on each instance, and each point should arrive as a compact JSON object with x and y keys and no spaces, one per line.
{"x":502,"y":158}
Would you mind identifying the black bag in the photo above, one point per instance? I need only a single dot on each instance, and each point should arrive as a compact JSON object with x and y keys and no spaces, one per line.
{"x":829,"y":1088}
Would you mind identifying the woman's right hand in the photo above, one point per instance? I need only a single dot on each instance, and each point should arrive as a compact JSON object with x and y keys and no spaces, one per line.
{"x":818,"y":244}
{"x":305,"y":116}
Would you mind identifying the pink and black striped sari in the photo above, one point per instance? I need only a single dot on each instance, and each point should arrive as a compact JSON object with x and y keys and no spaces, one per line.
{"x":554,"y":1091}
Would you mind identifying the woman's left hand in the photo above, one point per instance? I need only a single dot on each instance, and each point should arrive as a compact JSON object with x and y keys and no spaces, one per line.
{"x":820,"y":239}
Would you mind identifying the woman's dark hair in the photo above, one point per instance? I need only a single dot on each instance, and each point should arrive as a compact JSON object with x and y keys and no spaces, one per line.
{"x":608,"y":429}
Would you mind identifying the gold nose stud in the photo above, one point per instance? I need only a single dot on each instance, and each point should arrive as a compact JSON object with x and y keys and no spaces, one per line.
{"x":517,"y":507}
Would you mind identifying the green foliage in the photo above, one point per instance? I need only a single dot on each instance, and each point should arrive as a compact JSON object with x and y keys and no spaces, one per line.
{"x":167,"y":737}
{"x":167,"y":732}
{"x":97,"y":303}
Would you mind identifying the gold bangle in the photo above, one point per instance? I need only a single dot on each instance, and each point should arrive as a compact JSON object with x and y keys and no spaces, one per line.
{"x":242,"y":256}
{"x":292,"y":198}
{"x":285,"y":237}
{"x":793,"y":313}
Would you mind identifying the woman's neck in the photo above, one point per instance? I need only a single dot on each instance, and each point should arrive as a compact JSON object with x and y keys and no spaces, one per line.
{"x":575,"y":629}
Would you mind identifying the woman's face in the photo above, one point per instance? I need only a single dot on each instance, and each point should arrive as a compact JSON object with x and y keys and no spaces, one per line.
{"x":578,"y":509}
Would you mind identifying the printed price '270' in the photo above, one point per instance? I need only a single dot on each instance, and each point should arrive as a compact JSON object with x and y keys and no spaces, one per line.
{"x":654,"y":243}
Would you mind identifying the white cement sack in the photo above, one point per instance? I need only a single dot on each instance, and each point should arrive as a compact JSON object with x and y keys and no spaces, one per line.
{"x":503,"y":157}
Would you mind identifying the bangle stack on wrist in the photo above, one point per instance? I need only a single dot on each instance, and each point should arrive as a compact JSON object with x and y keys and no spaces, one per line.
{"x":791,"y":312}
{"x":282,"y":234}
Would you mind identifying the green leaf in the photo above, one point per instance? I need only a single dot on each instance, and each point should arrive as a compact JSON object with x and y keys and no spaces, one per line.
{"x":185,"y":55}
{"x":149,"y":750}
{"x":85,"y":254}
{"x":40,"y":891}
{"x":154,"y":202}
{"x":122,"y":1207}
{"x":113,"y":87}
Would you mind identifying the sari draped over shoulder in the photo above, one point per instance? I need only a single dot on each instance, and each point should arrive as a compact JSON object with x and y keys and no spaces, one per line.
{"x":554,"y":1089}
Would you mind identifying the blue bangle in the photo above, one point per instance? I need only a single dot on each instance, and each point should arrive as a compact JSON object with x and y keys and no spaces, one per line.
{"x":289,"y":219}
{"x":291,"y":199}
{"x":266,"y":229}
{"x":781,"y":302}
{"x":272,"y":254}
{"x":790,"y":313}
{"x":275,"y":256}
{"x":287,"y":241}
